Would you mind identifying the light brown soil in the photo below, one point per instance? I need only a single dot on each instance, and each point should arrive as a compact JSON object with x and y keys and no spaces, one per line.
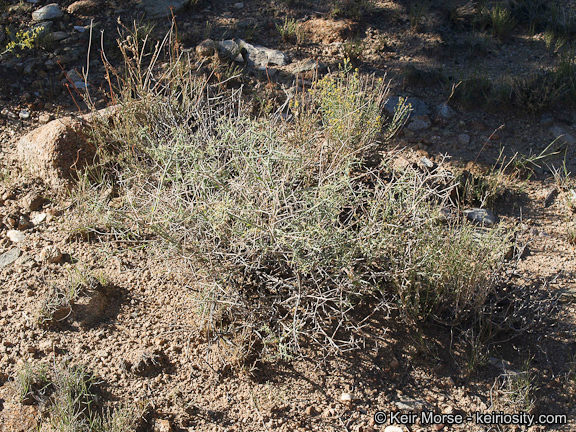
{"x":148,"y":311}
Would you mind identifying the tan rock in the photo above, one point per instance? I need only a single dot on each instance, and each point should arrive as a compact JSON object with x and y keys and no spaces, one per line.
{"x":55,"y":151}
{"x":83,"y":7}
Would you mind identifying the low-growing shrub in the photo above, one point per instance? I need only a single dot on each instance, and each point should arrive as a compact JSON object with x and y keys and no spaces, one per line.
{"x":289,"y":235}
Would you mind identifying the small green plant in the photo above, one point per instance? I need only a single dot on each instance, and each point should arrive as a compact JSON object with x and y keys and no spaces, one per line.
{"x":562,"y":177}
{"x":55,"y":307}
{"x":24,"y":40}
{"x":549,"y":39}
{"x":533,"y":13}
{"x":534,"y":93}
{"x":342,"y":94}
{"x":565,"y":72}
{"x":477,"y":90}
{"x":31,"y":383}
{"x":562,"y":21}
{"x":482,"y":190}
{"x":475,"y":350}
{"x":68,"y":393}
{"x":516,"y":391}
{"x":571,"y":232}
{"x":524,"y":165}
{"x":72,"y":407}
{"x":352,"y":50}
{"x":502,"y":21}
{"x":417,"y":12}
{"x":290,"y":31}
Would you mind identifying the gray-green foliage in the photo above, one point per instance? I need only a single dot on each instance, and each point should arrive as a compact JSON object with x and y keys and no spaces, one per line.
{"x":68,"y":393}
{"x":286,"y":226}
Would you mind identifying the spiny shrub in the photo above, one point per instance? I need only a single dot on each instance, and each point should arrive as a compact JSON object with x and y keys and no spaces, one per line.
{"x":285,"y":229}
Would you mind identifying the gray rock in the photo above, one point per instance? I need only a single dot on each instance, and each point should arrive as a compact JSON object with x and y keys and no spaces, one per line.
{"x":255,"y":56}
{"x":48,"y":12}
{"x":259,"y":56}
{"x":230,"y":50}
{"x":464,"y":139}
{"x":75,"y":78}
{"x":42,"y":29}
{"x":562,"y":136}
{"x":162,"y":8}
{"x":445,"y":112}
{"x":481,"y":216}
{"x":409,"y":404}
{"x":419,"y":123}
{"x":9,"y":257}
{"x":419,"y":107}
{"x":84,"y":7}
{"x":238,"y":5}
{"x":427,"y":163}
{"x":206,"y":48}
{"x":571,"y":199}
{"x":57,"y":36}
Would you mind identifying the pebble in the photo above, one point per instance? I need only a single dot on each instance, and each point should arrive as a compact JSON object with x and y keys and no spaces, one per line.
{"x":83,"y":7}
{"x":238,"y":5}
{"x":410,"y":404}
{"x":161,"y":425}
{"x":481,"y":216}
{"x":206,"y":48}
{"x":45,"y":118}
{"x":477,"y":126}
{"x":311,"y":411}
{"x":33,"y":201}
{"x":420,"y":123}
{"x":51,"y":254}
{"x":59,"y":35}
{"x":16,"y":236}
{"x":346,"y":397}
{"x":46,"y":346}
{"x":393,"y":429}
{"x":6,"y":112}
{"x":419,"y":107}
{"x":75,"y":78}
{"x":24,"y":114}
{"x":464,"y":139}
{"x":445,"y":112}
{"x":48,"y":12}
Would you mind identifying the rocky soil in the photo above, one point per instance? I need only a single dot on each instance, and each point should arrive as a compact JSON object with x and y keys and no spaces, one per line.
{"x":132,"y":321}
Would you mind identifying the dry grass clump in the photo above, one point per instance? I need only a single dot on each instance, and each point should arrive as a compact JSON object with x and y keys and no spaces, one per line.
{"x":294,"y":238}
{"x":67,"y":396}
